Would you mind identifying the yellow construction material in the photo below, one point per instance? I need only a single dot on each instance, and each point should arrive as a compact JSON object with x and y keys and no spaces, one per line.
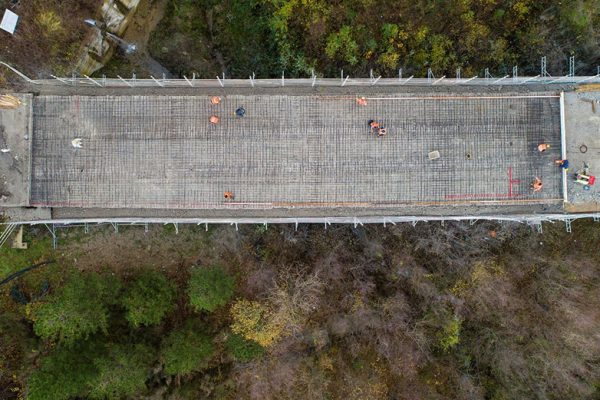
{"x":591,"y":87}
{"x":9,"y":102}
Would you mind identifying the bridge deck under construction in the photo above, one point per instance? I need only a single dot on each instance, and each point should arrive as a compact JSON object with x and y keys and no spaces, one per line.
{"x":293,"y":151}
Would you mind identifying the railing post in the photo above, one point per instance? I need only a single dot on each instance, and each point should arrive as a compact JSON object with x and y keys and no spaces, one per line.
{"x":572,"y":66}
{"x":22,"y":75}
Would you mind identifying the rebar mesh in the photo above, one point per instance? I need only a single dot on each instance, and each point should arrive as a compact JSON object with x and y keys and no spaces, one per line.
{"x":292,"y":151}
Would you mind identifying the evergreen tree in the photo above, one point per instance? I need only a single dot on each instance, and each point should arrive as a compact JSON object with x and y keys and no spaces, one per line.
{"x":76,"y":310}
{"x":148,"y":299}
{"x":186,"y":350}
{"x":65,"y":373}
{"x":209,"y":288}
{"x":122,"y":371}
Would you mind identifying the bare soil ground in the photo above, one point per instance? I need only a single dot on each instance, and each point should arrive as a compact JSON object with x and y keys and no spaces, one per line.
{"x":133,"y":249}
{"x":145,"y":20}
{"x":48,"y":37}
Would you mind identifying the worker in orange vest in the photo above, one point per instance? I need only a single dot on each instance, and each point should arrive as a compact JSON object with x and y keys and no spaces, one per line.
{"x":228,"y":195}
{"x":215,"y":100}
{"x":361,"y":101}
{"x":537,"y":184}
{"x":542,"y":147}
{"x":374,"y":125}
{"x":214,"y":119}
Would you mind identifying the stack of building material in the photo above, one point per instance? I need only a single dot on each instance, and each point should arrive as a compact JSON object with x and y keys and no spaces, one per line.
{"x":8,"y":102}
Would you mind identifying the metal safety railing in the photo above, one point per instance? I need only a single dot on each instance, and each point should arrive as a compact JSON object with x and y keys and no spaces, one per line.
{"x":345,"y":80}
{"x":8,"y":230}
{"x":327,"y":82}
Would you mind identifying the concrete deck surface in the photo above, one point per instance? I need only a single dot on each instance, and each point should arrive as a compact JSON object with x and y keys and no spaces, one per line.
{"x":582,"y":120}
{"x":15,"y":134}
{"x":293,"y":151}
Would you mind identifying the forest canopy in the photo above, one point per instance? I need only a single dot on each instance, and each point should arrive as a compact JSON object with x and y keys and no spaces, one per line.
{"x":298,"y":36}
{"x":460,"y":311}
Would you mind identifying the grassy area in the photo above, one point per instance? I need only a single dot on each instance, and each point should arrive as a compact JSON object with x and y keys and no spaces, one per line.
{"x":40,"y":249}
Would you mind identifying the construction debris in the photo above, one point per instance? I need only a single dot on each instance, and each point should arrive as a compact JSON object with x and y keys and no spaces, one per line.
{"x":434,"y":155}
{"x":9,"y":22}
{"x":18,"y":240}
{"x":593,"y":102}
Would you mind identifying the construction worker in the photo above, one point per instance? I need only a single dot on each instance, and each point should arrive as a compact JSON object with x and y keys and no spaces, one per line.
{"x":382,"y":131}
{"x":215,"y":100}
{"x":537,"y":184}
{"x":240,"y":112}
{"x":374,"y":125}
{"x":214,"y":119}
{"x":564,"y":164}
{"x":228,"y":195}
{"x":542,"y":147}
{"x":361,"y":101}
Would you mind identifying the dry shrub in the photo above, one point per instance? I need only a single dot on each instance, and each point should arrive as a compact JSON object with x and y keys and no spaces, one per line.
{"x":397,"y":341}
{"x":339,"y":325}
{"x":255,"y":321}
{"x":319,"y":339}
{"x":269,"y":379}
{"x":362,"y":376}
{"x":534,"y":313}
{"x":259,"y":281}
{"x":295,"y":297}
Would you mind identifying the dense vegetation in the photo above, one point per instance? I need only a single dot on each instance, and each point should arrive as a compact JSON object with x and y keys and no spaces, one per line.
{"x":269,"y":36}
{"x":487,"y":311}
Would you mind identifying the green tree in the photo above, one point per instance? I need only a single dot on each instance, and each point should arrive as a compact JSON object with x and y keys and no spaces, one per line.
{"x":65,"y":373}
{"x":342,"y":46}
{"x":122,"y":371}
{"x":148,"y":299}
{"x":209,"y":288}
{"x":449,"y":336}
{"x":77,"y":310}
{"x":392,"y":45}
{"x":186,"y":350}
{"x":243,"y":350}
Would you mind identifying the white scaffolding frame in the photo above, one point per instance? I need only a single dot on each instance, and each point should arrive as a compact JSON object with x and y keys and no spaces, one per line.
{"x":533,"y":220}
